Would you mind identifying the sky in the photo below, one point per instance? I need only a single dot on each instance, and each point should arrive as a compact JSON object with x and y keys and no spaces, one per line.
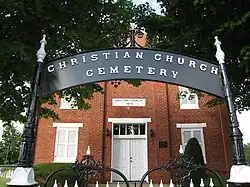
{"x":243,"y":118}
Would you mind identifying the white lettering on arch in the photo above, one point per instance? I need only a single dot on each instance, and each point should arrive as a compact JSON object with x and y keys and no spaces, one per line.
{"x":163,"y":72}
{"x":127,"y":69}
{"x":192,"y":64}
{"x":89,"y":73}
{"x":139,"y":55}
{"x":51,"y":68}
{"x":113,"y":70}
{"x":157,"y":57}
{"x":73,"y":61}
{"x":62,"y":65}
{"x":151,"y":70}
{"x":139,"y":68}
{"x":101,"y":71}
{"x":203,"y":67}
{"x":126,"y":55}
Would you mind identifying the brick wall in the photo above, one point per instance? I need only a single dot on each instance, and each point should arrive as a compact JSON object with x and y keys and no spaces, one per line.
{"x":164,"y":110}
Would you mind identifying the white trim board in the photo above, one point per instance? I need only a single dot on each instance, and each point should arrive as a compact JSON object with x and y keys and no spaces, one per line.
{"x":191,"y":125}
{"x":67,"y":125}
{"x":129,"y":120}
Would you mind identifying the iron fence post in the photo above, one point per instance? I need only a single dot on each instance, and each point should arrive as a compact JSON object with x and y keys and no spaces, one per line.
{"x":240,"y":166}
{"x":24,"y":173}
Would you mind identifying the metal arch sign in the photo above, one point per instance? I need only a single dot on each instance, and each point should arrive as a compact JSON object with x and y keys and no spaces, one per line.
{"x":131,"y":63}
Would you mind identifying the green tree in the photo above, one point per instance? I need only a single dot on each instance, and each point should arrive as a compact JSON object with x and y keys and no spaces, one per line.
{"x":71,"y":26}
{"x":189,"y":26}
{"x":247,"y":151}
{"x":10,"y":145}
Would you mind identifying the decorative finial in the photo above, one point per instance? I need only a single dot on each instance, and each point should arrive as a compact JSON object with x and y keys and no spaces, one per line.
{"x":181,"y":150}
{"x":220,"y":55}
{"x":88,"y":150}
{"x":211,"y":184}
{"x":41,"y":52}
{"x":161,"y":184}
{"x":151,"y":183}
{"x":191,"y":183}
{"x":132,"y":26}
{"x":171,"y":184}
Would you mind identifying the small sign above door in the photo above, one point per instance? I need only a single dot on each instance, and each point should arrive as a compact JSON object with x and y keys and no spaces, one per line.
{"x":128,"y":102}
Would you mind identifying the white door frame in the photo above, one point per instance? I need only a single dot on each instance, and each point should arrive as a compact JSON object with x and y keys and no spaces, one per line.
{"x":128,"y":121}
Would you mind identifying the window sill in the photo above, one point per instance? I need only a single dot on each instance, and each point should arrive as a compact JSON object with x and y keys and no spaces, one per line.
{"x":189,"y":107}
{"x":64,"y":160}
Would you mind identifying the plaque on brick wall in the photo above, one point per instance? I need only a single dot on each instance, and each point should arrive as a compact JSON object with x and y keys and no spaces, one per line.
{"x":163,"y":144}
{"x":128,"y":102}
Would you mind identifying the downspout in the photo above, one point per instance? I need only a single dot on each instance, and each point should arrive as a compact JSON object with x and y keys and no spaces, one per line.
{"x":104,"y":120}
{"x":169,"y":124}
{"x":223,"y":137}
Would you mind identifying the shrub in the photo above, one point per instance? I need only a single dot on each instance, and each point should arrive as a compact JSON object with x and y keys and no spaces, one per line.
{"x":43,"y":170}
{"x":193,"y":151}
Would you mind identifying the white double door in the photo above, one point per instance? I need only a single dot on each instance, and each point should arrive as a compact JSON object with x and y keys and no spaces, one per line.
{"x":129,"y":157}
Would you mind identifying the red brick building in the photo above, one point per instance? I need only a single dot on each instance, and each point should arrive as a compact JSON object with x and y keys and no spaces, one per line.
{"x":161,"y":123}
{"x":134,"y":129}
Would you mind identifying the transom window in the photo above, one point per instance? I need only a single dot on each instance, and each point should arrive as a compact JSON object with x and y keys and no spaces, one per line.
{"x":129,"y":129}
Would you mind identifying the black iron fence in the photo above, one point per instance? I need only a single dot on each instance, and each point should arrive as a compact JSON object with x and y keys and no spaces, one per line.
{"x":7,"y":171}
{"x":183,"y":172}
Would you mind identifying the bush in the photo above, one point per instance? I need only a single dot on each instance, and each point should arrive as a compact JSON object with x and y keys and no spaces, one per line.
{"x":43,"y":170}
{"x":193,"y":151}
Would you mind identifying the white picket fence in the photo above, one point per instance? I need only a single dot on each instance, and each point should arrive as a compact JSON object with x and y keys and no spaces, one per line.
{"x":171,"y":184}
{"x":7,"y":174}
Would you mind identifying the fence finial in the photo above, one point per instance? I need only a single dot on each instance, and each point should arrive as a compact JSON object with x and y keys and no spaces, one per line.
{"x":151,"y":183}
{"x":41,"y":52}
{"x":202,"y":183}
{"x":118,"y":184}
{"x":161,"y":184}
{"x":107,"y":184}
{"x":96,"y":184}
{"x":211,"y":184}
{"x":88,"y":150}
{"x":181,"y":150}
{"x":66,"y":183}
{"x":191,"y":183}
{"x":76,"y":185}
{"x":55,"y":183}
{"x":220,"y":55}
{"x":171,"y":184}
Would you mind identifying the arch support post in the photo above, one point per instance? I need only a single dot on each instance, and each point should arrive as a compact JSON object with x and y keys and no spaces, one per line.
{"x":239,"y":173}
{"x":24,"y":173}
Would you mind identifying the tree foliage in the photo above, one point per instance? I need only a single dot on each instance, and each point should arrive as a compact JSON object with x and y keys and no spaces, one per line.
{"x":71,"y":26}
{"x":10,"y":145}
{"x":189,"y":26}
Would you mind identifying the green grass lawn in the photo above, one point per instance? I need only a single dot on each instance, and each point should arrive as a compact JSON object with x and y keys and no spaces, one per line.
{"x":3,"y":182}
{"x":247,"y":152}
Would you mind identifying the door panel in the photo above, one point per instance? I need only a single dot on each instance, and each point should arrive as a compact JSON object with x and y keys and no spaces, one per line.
{"x":138,"y":157}
{"x":121,"y":158}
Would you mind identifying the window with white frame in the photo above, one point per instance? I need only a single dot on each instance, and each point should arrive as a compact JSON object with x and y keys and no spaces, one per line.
{"x":188,"y":100}
{"x":193,"y":130}
{"x":65,"y":104}
{"x":66,"y":141}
